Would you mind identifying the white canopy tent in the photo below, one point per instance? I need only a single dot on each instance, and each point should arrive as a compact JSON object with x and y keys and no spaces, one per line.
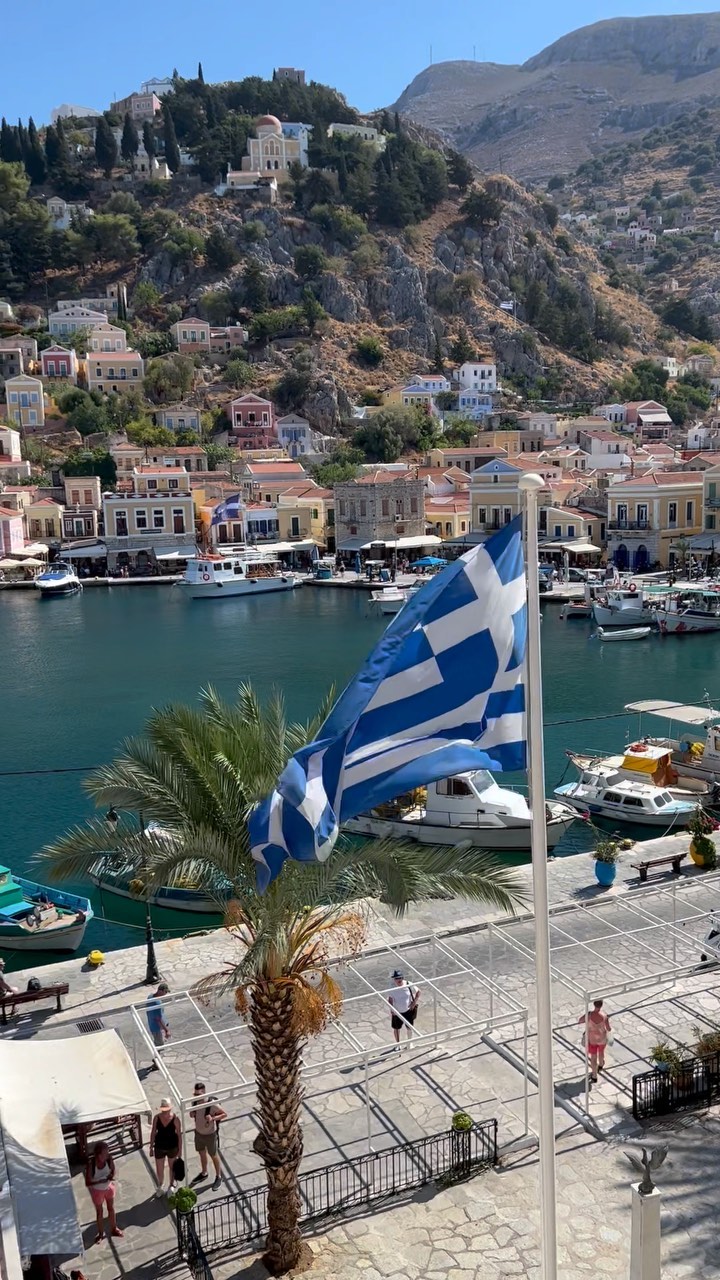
{"x":33,"y":549}
{"x":47,"y":1084}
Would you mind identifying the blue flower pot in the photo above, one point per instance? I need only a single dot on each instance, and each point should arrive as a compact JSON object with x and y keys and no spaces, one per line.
{"x":605,"y":873}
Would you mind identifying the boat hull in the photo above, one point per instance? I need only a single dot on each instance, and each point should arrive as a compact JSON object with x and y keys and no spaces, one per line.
{"x":243,"y":587}
{"x":60,"y":937}
{"x":679,"y":624}
{"x":512,"y":838}
{"x":631,"y":617}
{"x":645,"y":818}
{"x":626,"y":633}
{"x":193,"y":900}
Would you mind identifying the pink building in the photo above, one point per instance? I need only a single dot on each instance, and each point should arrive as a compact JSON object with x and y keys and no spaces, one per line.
{"x":191,"y":335}
{"x":59,"y":362}
{"x":252,"y":422}
{"x":12,"y":537}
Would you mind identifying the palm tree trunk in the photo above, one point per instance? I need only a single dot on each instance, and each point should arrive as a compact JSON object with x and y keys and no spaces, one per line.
{"x":277,"y":1048}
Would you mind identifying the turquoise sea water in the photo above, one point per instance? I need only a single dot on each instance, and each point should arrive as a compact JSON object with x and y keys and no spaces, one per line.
{"x":80,"y":674}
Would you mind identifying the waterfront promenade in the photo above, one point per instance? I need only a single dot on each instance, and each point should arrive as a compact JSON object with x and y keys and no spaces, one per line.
{"x":486,"y":1228}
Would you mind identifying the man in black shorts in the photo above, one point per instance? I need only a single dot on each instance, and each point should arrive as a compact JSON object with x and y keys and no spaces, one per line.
{"x":404,"y":1005}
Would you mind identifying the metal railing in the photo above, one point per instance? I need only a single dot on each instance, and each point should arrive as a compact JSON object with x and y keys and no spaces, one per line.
{"x":629,"y":524}
{"x":695,"y":1083}
{"x":190,"y":1248}
{"x":242,"y":1217}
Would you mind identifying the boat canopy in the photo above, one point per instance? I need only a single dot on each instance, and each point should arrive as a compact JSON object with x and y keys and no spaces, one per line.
{"x":680,"y":711}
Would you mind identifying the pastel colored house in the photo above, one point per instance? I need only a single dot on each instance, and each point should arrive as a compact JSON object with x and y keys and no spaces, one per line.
{"x":648,"y":514}
{"x":12,"y":536}
{"x":44,"y":519}
{"x":71,"y":319}
{"x":477,"y":375}
{"x":297,"y":438}
{"x":21,"y":342}
{"x":252,"y":422}
{"x":152,"y":522}
{"x":62,"y":214}
{"x":25,"y":401}
{"x":449,"y":514}
{"x":191,"y":335}
{"x":306,"y":516}
{"x":226,"y":338}
{"x":276,"y":146}
{"x":364,"y":132}
{"x":114,"y":371}
{"x":475,"y":404}
{"x":179,"y":417}
{"x":107,"y":337}
{"x":141,"y":106}
{"x":83,"y":503}
{"x":13,"y":467}
{"x":59,"y":362}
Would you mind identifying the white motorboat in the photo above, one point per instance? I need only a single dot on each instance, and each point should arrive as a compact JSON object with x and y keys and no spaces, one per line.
{"x":623,"y":607}
{"x":58,"y":580}
{"x":649,"y":763}
{"x":469,"y":807}
{"x":245,"y":571}
{"x":692,"y":609}
{"x":624,"y":633}
{"x":391,"y":599}
{"x":695,"y":752}
{"x":623,"y":800}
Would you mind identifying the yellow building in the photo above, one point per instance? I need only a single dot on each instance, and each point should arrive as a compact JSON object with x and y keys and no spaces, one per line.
{"x":25,"y":401}
{"x":647,"y":515}
{"x":44,"y":518}
{"x":306,"y":514}
{"x":449,"y":514}
{"x":114,"y":370}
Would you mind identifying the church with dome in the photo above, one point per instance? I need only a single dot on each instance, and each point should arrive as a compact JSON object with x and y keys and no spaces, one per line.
{"x":276,"y":146}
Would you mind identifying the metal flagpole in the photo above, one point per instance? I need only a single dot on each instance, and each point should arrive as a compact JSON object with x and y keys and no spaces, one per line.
{"x":530,"y":485}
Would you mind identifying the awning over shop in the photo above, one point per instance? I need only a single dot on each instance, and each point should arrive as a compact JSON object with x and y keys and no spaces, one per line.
{"x":404,"y":544}
{"x":179,"y":553}
{"x":92,"y":551}
{"x":582,"y":548}
{"x":33,"y":549}
{"x":353,"y":544}
{"x":702,"y":542}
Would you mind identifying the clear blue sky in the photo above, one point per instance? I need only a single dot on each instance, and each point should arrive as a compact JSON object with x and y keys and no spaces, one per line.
{"x":369,"y":49}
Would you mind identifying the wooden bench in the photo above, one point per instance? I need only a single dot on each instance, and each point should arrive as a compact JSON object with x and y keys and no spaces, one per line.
{"x":672,"y":858}
{"x":53,"y":992}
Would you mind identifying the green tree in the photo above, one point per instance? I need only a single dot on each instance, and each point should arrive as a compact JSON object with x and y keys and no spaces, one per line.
{"x":309,"y":261}
{"x":91,"y":462}
{"x":462,"y":348}
{"x":220,"y":251}
{"x":197,"y":773}
{"x":238,"y":373}
{"x":369,"y":351}
{"x":254,"y":286}
{"x":313,"y":311}
{"x":172,"y":150}
{"x":216,"y":305}
{"x":35,"y":163}
{"x":481,"y":209}
{"x":88,"y":418}
{"x":148,"y":136}
{"x":57,"y":154}
{"x":685,"y":319}
{"x":130,"y":141}
{"x":459,"y":170}
{"x":112,"y":236}
{"x":106,"y":151}
{"x":149,"y":436}
{"x":146,"y":299}
{"x":169,"y":378}
{"x":556,"y":183}
{"x":200,"y":75}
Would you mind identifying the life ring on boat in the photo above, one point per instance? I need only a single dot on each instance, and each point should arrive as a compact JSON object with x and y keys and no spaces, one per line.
{"x":206,"y":577}
{"x":633,"y":586}
{"x":638,"y":746}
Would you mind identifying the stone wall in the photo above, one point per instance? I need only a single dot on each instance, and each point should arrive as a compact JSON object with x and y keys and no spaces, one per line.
{"x":368,"y":511}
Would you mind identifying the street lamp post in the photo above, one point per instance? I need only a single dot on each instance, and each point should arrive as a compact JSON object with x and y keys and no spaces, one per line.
{"x":152,"y":974}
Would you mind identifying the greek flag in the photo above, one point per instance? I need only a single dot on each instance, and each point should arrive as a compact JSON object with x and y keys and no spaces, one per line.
{"x":230,"y":509}
{"x":441,"y":693}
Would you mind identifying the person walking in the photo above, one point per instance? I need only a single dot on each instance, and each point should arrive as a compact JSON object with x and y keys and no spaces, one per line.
{"x":157,"y":1023}
{"x":404,"y":1004}
{"x":5,"y":988}
{"x":207,"y":1115}
{"x":165,"y":1139}
{"x":100,"y":1182}
{"x":596,"y":1037}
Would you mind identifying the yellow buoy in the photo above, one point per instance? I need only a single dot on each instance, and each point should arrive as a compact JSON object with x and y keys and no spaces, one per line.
{"x":95,"y":958}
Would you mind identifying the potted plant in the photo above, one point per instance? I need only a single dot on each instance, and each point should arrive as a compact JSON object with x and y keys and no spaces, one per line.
{"x":706,"y":1042}
{"x":665,"y":1058}
{"x":460,"y":1128}
{"x":184,"y":1200}
{"x":606,"y":854}
{"x":702,"y":847}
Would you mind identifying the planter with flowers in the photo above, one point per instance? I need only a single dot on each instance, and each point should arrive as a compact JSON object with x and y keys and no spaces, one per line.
{"x":606,"y":854}
{"x":702,"y":847}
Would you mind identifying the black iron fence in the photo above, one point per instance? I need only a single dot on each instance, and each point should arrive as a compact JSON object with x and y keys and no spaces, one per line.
{"x":694,"y":1083}
{"x":242,"y":1217}
{"x":190,"y":1248}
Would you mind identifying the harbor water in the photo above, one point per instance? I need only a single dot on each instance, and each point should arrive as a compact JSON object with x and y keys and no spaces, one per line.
{"x":82,"y":673}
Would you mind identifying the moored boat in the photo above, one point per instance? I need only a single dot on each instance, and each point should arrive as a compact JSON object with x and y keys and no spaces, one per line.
{"x":623,"y":607}
{"x":695,"y":752}
{"x":36,"y":918}
{"x":58,"y":580}
{"x":391,"y":599}
{"x":173,"y":897}
{"x":695,"y":609}
{"x":243,"y":571}
{"x":624,"y":633}
{"x":651,"y":764}
{"x":623,"y":800}
{"x":471,"y":807}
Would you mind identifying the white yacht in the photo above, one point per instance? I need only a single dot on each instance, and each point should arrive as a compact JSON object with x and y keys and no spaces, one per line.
{"x":694,"y":750}
{"x":469,"y":807}
{"x":609,"y":795}
{"x":244,"y":571}
{"x":58,"y":580}
{"x":623,"y":607}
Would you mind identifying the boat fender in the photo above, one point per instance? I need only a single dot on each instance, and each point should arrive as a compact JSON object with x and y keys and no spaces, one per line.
{"x":633,"y":586}
{"x":206,"y":577}
{"x":96,"y":958}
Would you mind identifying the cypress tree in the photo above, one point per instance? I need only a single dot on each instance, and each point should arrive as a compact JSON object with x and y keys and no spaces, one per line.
{"x":35,"y":165}
{"x":172,"y":150}
{"x":130,"y":143}
{"x":149,"y":142}
{"x":200,"y":75}
{"x":22,"y":134}
{"x":10,"y":150}
{"x":106,"y":151}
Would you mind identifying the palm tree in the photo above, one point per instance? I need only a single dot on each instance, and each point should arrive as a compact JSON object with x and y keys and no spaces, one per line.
{"x":198,"y":773}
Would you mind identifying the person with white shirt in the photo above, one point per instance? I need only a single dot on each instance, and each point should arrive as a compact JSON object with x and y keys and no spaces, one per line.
{"x":404,"y":1004}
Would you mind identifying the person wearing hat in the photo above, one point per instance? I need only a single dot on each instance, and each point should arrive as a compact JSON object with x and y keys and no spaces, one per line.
{"x":157,"y":1024}
{"x":404,"y":1004}
{"x":165,"y":1139}
{"x":5,"y":988}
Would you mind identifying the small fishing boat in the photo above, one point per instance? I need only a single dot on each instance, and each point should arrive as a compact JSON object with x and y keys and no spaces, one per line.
{"x":694,"y":750}
{"x":649,"y":763}
{"x":244,"y":571}
{"x":182,"y":896}
{"x":623,"y":607}
{"x":58,"y":580}
{"x":623,"y":800}
{"x":35,"y":918}
{"x":694,"y":609}
{"x":625,"y":633}
{"x":391,"y":599}
{"x":469,"y":807}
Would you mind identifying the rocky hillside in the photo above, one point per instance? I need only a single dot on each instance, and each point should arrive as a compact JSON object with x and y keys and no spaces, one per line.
{"x":593,"y":88}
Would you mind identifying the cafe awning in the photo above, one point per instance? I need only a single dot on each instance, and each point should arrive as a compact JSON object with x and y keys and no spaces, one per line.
{"x":91,"y":551}
{"x":179,"y":553}
{"x":33,"y":549}
{"x":404,"y":544}
{"x":582,"y":548}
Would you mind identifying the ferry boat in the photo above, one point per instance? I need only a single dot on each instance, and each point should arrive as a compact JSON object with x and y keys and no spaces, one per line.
{"x":246,"y":571}
{"x":58,"y":580}
{"x":470,"y":807}
{"x":625,"y":801}
{"x":693,"y":609}
{"x":35,"y":918}
{"x":695,"y":752}
{"x":623,"y":607}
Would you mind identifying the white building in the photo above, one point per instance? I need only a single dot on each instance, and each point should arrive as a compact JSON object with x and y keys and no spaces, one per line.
{"x":12,"y":467}
{"x":431,"y":382}
{"x":671,"y":365}
{"x":475,"y":404}
{"x":363,"y":131}
{"x":477,"y":375}
{"x":159,"y":85}
{"x":610,"y":412}
{"x":71,"y":318}
{"x":62,"y":214}
{"x":298,"y":439}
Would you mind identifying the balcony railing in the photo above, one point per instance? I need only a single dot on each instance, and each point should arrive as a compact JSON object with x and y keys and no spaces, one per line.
{"x":709,"y":502}
{"x":631,"y":525}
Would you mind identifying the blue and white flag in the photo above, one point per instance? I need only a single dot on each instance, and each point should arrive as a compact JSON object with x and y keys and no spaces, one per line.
{"x":442,"y":692}
{"x":230,"y":509}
